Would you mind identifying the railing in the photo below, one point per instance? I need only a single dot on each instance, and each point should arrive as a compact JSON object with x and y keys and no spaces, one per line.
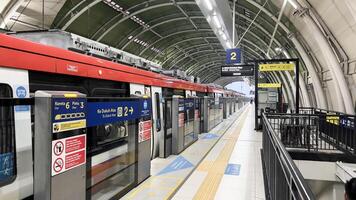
{"x":338,"y":128}
{"x":284,"y":180}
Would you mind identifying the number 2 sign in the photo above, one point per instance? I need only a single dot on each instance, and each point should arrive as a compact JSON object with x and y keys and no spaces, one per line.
{"x":233,"y":56}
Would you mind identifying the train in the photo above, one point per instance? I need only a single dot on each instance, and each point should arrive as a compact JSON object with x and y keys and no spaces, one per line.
{"x":59,"y":61}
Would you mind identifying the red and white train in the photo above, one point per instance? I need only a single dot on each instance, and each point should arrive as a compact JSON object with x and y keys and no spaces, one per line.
{"x":26,"y":67}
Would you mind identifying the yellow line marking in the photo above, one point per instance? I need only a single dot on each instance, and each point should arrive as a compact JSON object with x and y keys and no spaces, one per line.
{"x":216,"y":169}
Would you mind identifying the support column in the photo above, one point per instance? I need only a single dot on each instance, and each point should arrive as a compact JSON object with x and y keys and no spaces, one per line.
{"x":318,"y":89}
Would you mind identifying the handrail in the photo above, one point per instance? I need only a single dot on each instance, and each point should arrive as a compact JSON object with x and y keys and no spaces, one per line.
{"x":287,"y":164}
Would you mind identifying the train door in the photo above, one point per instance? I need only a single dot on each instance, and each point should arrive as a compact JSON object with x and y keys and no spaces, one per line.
{"x":16,"y":171}
{"x":157,"y":119}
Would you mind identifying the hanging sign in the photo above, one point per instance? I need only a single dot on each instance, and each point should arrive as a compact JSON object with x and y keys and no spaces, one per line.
{"x":237,"y":70}
{"x":276,"y":67}
{"x":269,"y":85}
{"x":233,"y":56}
{"x":68,"y":153}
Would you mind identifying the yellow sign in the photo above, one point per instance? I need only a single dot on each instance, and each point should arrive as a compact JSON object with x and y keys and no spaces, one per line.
{"x":276,"y":67}
{"x":333,"y":119}
{"x":269,"y":85}
{"x":70,"y":125}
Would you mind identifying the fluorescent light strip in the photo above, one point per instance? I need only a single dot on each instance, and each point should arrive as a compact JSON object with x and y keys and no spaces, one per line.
{"x":208,"y":5}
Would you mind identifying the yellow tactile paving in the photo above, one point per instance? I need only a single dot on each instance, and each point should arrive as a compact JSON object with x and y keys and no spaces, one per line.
{"x":216,"y":169}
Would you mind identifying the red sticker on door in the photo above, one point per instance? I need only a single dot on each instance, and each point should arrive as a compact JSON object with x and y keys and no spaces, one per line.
{"x":68,"y":153}
{"x":144,"y":131}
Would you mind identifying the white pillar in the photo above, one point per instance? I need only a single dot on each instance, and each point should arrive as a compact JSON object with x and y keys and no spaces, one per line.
{"x":318,"y":89}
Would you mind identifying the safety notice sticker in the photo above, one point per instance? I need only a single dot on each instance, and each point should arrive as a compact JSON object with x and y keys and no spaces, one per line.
{"x":68,"y":153}
{"x":144,"y":131}
{"x":180,"y":119}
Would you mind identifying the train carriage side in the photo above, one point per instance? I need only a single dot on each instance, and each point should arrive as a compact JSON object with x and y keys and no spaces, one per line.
{"x":48,"y":68}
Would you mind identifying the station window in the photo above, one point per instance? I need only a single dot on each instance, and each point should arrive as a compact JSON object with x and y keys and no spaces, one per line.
{"x":7,"y":138}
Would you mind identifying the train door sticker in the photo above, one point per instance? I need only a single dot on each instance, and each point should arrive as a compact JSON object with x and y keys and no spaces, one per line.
{"x":144,"y":131}
{"x":68,"y":153}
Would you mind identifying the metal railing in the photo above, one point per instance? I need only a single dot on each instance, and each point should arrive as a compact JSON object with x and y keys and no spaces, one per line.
{"x":284,"y":180}
{"x":337,"y":128}
{"x":315,"y":132}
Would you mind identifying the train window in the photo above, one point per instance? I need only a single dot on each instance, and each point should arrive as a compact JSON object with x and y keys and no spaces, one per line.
{"x":7,"y":139}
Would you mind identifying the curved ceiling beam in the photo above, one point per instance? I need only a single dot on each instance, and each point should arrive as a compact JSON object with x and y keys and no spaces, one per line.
{"x":192,"y":54}
{"x":141,"y":11}
{"x":182,"y":41}
{"x":187,"y":50}
{"x":156,"y":25}
{"x":78,"y":14}
{"x":152,"y":22}
{"x":174,"y":34}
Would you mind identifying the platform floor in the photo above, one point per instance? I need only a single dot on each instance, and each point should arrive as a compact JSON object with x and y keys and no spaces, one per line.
{"x":223,"y":164}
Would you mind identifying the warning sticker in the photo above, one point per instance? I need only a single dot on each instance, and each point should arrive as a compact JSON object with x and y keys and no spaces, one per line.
{"x":181,"y":120}
{"x":196,"y":114}
{"x":144,"y":131}
{"x":68,"y":153}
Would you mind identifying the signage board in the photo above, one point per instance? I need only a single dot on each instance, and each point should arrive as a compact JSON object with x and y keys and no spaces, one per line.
{"x":144,"y":130}
{"x":68,"y":114}
{"x":233,"y":56}
{"x":237,"y":70}
{"x":269,"y":85}
{"x":100,"y":113}
{"x":68,"y":153}
{"x":276,"y":67}
{"x":333,"y":119}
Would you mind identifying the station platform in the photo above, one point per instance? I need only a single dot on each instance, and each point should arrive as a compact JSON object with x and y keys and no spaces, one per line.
{"x":222,"y":164}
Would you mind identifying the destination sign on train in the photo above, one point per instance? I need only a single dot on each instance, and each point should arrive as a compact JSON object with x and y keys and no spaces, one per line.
{"x":237,"y":70}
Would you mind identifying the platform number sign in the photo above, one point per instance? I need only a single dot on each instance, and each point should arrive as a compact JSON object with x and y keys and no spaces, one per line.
{"x":233,"y":56}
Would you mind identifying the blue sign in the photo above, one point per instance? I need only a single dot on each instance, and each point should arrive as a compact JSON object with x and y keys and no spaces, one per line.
{"x":146,"y":107}
{"x":181,"y":105}
{"x":233,"y":56}
{"x":100,"y":113}
{"x":68,"y":109}
{"x":189,"y":104}
{"x":21,"y":92}
{"x":178,"y":164}
{"x":210,"y":136}
{"x":6,"y":166}
{"x":233,"y":169}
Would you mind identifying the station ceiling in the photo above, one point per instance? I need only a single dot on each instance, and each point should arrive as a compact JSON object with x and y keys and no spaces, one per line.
{"x":172,"y":33}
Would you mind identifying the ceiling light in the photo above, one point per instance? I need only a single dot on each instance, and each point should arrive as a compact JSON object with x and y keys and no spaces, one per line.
{"x":228,"y":44}
{"x":208,"y":5}
{"x":277,"y":49}
{"x":293,"y":3}
{"x":223,"y":36}
{"x":216,"y":21}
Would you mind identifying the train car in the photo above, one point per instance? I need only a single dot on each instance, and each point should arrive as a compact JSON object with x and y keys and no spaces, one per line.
{"x":27,"y":67}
